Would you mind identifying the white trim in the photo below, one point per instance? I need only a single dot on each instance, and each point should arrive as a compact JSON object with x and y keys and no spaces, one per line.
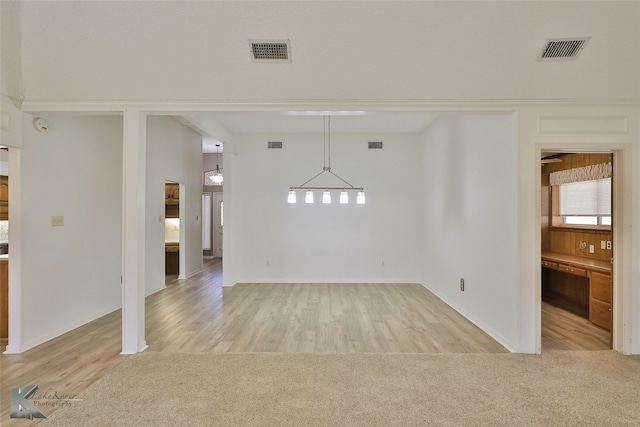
{"x":623,"y":239}
{"x":195,"y":272}
{"x":54,"y":334}
{"x":15,"y":345}
{"x":492,"y":333}
{"x":168,"y":107}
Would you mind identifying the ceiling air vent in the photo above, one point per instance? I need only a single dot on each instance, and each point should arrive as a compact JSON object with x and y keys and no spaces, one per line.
{"x":375,"y":145}
{"x":270,"y":50}
{"x":558,"y":49}
{"x":274,"y":144}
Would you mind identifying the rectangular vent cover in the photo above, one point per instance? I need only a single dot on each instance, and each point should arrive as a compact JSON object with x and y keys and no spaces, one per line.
{"x":274,"y":144}
{"x":270,"y":50}
{"x":557,"y":49}
{"x":375,"y":145}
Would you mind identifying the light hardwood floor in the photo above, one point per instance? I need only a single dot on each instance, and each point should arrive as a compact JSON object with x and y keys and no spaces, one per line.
{"x":198,"y":315}
{"x":563,"y":330}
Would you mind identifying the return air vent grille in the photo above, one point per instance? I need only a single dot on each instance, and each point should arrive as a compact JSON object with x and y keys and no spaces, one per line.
{"x":559,"y":49}
{"x":274,"y":144}
{"x":270,"y":50}
{"x":375,"y":145}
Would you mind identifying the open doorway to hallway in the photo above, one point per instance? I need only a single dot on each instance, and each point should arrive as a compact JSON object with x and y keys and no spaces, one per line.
{"x":577,"y":251}
{"x":172,"y":230}
{"x":4,"y":247}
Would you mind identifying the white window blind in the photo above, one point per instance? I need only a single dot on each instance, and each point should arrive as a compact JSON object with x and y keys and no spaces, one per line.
{"x":586,"y":198}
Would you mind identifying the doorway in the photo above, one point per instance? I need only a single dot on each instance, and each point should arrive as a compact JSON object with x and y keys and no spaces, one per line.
{"x":172,"y":230}
{"x":577,"y":251}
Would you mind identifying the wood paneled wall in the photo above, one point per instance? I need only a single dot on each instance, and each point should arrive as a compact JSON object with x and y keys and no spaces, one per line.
{"x":566,"y":290}
{"x":567,"y":240}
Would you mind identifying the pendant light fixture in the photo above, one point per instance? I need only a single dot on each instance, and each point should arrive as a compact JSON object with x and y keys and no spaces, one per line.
{"x":214,"y":177}
{"x":326,"y":168}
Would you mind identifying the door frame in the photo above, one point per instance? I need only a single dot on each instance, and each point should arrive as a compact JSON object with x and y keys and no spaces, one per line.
{"x":218,"y":247}
{"x":622,"y":240}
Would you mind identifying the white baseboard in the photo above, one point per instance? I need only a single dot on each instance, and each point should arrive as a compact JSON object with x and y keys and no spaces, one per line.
{"x":490,"y":331}
{"x":54,"y":334}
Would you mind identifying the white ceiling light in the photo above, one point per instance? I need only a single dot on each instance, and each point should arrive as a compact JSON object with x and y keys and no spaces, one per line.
{"x":214,"y":177}
{"x":326,"y":162}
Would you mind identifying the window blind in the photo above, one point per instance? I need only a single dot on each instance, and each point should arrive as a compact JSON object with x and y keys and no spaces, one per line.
{"x":586,"y":198}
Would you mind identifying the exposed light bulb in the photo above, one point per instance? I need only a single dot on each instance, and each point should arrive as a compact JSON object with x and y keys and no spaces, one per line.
{"x":292,"y":197}
{"x":217,"y":178}
{"x":360,"y":198}
{"x":344,"y":197}
{"x":308,"y":197}
{"x":326,"y":197}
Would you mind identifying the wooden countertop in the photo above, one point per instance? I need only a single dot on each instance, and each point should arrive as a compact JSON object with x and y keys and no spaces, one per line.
{"x":582,"y":262}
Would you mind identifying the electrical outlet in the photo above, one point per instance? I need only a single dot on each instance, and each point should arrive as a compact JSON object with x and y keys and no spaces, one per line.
{"x":267,"y":263}
{"x":462,"y":284}
{"x":603,"y":244}
{"x":592,"y":249}
{"x":381,"y":263}
{"x":609,"y":244}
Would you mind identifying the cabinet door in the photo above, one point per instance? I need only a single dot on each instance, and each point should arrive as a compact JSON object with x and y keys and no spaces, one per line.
{"x":4,"y":197}
{"x":601,"y":301}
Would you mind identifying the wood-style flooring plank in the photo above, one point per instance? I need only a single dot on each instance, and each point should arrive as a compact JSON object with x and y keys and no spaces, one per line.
{"x":563,"y":330}
{"x":198,"y":315}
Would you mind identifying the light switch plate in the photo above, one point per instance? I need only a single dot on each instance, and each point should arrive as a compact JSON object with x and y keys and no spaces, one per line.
{"x":57,"y":221}
{"x":603,"y":244}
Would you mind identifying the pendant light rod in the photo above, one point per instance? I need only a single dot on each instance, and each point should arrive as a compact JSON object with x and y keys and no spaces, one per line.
{"x":326,"y":168}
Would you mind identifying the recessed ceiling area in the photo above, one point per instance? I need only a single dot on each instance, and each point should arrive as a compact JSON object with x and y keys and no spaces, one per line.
{"x":301,"y":122}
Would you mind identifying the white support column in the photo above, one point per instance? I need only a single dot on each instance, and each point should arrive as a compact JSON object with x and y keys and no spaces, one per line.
{"x":133,"y":228}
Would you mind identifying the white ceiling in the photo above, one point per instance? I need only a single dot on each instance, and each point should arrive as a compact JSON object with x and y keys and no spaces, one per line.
{"x":342,"y":51}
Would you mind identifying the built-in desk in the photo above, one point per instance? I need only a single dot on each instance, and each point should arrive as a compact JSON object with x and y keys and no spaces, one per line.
{"x":599,"y":279}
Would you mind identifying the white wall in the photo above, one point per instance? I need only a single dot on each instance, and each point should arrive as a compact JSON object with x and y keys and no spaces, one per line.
{"x":469,"y":165}
{"x":11,"y":49}
{"x":174,"y":153}
{"x":325,"y":243}
{"x":70,"y":274}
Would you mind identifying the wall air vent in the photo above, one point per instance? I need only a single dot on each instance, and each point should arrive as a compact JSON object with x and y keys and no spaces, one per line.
{"x":270,"y":50}
{"x":559,"y":49}
{"x":375,"y":145}
{"x":274,"y":144}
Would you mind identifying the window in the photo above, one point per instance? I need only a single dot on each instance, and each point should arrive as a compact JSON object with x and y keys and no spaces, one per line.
{"x":586,"y":203}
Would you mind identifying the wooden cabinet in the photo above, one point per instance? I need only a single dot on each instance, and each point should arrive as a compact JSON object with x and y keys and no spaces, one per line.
{"x":4,"y":197}
{"x":171,"y":259}
{"x":4,"y":299}
{"x":601,"y":299}
{"x":172,"y":200}
{"x":582,"y":286}
{"x":572,"y":270}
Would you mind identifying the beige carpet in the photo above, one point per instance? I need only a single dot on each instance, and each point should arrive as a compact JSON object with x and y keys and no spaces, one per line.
{"x":273,"y":389}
